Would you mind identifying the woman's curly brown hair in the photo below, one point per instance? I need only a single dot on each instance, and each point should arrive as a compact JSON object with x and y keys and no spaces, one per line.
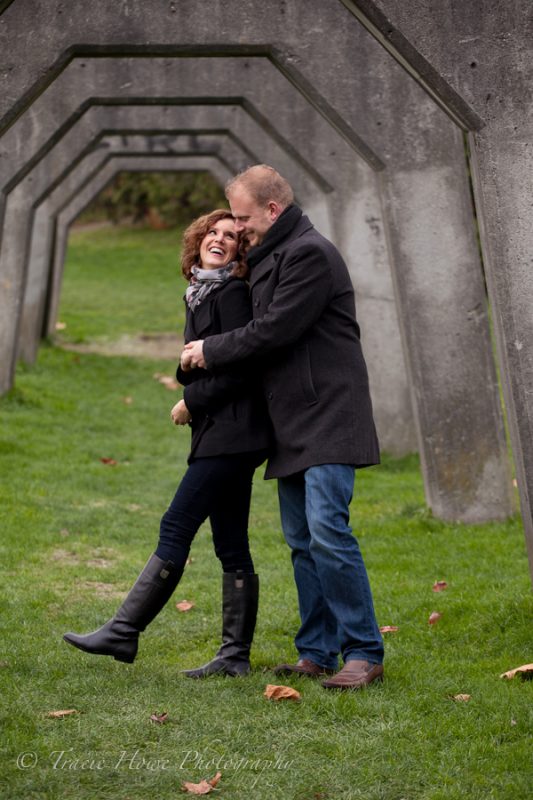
{"x":194,"y":235}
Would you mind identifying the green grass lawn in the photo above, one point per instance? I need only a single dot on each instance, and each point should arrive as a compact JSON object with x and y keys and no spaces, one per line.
{"x":76,"y":532}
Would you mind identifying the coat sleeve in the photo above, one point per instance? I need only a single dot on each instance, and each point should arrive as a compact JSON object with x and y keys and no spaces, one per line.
{"x":232,"y":309}
{"x":303,"y":292}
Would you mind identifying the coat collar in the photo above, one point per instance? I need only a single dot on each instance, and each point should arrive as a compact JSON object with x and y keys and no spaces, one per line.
{"x":267,"y":264}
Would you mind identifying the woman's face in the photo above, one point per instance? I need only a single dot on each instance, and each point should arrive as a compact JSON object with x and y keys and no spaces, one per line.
{"x":219,"y":245}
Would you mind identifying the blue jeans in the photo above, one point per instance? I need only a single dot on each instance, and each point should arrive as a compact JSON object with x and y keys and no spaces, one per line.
{"x":334,"y":595}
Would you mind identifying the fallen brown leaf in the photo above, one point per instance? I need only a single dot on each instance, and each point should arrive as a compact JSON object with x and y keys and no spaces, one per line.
{"x":462,"y":698}
{"x":160,"y":718}
{"x":127,"y":401}
{"x":184,"y":605}
{"x":65,"y":713}
{"x":440,"y":586}
{"x":166,"y":380}
{"x":525,"y":671}
{"x":204,"y":787}
{"x":434,"y":617}
{"x":273,"y":692}
{"x":109,"y":461}
{"x":389,"y":628}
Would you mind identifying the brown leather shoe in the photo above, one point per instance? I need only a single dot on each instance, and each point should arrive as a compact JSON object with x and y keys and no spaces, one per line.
{"x":354,"y":675}
{"x":303,"y":667}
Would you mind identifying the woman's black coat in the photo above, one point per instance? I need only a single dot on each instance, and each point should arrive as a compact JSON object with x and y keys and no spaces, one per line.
{"x":314,"y":376}
{"x":227,"y":407}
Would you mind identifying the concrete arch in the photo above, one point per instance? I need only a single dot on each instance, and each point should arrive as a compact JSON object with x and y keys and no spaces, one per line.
{"x":390,"y":414}
{"x":229,"y":149}
{"x":425,"y":153}
{"x":375,"y":298}
{"x":113,"y":165}
{"x":485,"y":53}
{"x":42,"y":284}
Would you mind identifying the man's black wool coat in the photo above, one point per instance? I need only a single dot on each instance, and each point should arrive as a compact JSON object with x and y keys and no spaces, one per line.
{"x":305,"y":333}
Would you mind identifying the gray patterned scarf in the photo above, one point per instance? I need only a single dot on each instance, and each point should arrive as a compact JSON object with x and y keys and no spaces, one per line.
{"x":205,"y":281}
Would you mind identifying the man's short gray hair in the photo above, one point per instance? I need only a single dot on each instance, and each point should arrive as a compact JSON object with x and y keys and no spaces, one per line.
{"x":264,"y":184}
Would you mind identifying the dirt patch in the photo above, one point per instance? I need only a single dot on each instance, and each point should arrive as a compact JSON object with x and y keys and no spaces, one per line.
{"x":101,"y":589}
{"x":65,"y":557}
{"x":102,"y":563}
{"x":157,"y":346}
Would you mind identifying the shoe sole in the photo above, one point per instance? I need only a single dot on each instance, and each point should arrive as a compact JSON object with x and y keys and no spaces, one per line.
{"x":378,"y":679}
{"x":287,"y":671}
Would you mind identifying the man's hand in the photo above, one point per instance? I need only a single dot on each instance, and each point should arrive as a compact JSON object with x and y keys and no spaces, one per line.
{"x":193,"y":355}
{"x":180,"y":414}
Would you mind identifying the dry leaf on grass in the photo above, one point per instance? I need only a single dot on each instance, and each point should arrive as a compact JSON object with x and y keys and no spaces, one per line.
{"x":67,"y":712}
{"x":462,"y":698}
{"x":273,"y":692}
{"x":127,"y":401}
{"x":204,"y":787}
{"x":389,"y":628}
{"x":160,"y":718}
{"x":525,"y":671}
{"x":166,"y":380}
{"x":109,"y":461}
{"x":434,"y":617}
{"x":184,"y":605}
{"x":440,"y":586}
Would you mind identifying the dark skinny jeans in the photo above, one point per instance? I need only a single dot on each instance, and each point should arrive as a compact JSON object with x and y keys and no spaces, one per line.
{"x":219,"y":488}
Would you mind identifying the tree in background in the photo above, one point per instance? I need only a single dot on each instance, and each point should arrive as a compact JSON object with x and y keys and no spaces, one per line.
{"x":157,"y":199}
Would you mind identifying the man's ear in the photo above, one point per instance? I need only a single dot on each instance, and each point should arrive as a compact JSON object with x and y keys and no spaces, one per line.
{"x":274,"y":209}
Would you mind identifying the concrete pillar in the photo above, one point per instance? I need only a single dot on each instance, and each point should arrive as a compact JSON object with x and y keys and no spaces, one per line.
{"x":478,"y":59}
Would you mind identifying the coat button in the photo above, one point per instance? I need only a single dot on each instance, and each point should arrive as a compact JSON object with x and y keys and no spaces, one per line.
{"x":270,"y":396}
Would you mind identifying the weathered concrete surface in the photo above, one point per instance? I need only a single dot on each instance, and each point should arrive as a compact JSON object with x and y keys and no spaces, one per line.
{"x":369,"y":99}
{"x":484,"y":53}
{"x":356,"y":218}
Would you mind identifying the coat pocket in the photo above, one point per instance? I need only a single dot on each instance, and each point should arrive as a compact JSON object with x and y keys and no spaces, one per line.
{"x":305,"y":374}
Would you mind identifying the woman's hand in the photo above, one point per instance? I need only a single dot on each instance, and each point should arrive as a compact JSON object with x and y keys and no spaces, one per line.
{"x":180,"y":414}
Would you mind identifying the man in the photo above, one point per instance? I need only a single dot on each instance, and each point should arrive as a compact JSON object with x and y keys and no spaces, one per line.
{"x":315,"y":382}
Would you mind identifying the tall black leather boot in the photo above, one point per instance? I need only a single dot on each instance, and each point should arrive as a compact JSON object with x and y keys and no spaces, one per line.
{"x":240,"y":597}
{"x":119,"y":637}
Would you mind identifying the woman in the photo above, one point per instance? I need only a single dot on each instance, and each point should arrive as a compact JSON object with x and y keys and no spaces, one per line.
{"x":229,"y":440}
